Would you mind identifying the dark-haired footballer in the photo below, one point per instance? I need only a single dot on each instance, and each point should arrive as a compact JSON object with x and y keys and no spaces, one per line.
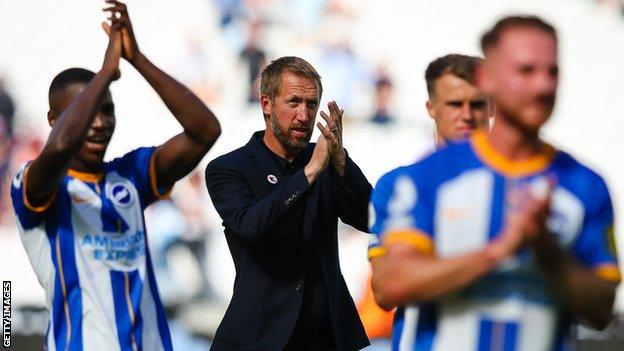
{"x":81,"y":219}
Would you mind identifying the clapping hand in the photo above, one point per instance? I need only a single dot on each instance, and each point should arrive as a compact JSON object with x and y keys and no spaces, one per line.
{"x":527,"y":213}
{"x":119,"y":16}
{"x":332,"y":132}
{"x":113,"y":52}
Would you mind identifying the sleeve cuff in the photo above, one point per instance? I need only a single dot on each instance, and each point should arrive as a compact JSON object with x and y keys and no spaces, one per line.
{"x":345,"y":183}
{"x":375,"y":252}
{"x":153,"y":181}
{"x":29,"y":206}
{"x":294,"y":190}
{"x":419,"y":240}
{"x":608,"y":271}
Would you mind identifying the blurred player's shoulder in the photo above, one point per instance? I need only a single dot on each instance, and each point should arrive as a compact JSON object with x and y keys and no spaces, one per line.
{"x":576,"y":176}
{"x":570,"y":165}
{"x":454,"y":156}
{"x":438,"y":166}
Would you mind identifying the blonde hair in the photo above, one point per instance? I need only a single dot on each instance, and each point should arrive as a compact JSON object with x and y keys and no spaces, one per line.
{"x":271,"y":78}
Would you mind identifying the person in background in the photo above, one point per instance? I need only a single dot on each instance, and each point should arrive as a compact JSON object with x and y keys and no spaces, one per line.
{"x":5,"y":161}
{"x":383,"y":99}
{"x":7,"y":107}
{"x":7,"y":113}
{"x":458,"y":108}
{"x":254,"y":59}
{"x":456,"y":104}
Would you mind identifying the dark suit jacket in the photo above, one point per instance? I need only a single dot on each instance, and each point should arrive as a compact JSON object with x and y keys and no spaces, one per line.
{"x":269,"y":283}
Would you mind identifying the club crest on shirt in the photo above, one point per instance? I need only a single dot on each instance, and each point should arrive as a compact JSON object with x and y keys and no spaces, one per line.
{"x":401,"y":204}
{"x":121,"y":195}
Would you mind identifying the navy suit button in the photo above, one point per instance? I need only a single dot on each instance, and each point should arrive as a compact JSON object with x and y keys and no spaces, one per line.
{"x":299,"y":287}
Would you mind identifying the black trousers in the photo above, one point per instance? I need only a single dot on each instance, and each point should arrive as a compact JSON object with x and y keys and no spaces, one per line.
{"x":299,"y":342}
{"x":311,"y":337}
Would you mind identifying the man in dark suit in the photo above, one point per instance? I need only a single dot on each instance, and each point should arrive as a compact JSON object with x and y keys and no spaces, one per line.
{"x":280,"y":198}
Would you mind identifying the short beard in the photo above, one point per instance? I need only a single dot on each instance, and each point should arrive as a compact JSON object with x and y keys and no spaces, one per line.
{"x":292,"y":145}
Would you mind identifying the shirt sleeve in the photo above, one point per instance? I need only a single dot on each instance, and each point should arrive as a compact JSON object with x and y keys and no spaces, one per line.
{"x":595,"y":247}
{"x":28,"y":215}
{"x":138,"y":165}
{"x":398,"y":216}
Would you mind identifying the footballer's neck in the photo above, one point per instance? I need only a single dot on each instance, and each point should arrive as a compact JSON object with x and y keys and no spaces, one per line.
{"x":84,"y":166}
{"x":514,"y":142}
{"x":440,"y":141}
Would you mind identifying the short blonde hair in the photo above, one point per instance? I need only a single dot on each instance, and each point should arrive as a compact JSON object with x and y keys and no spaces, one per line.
{"x":271,"y":78}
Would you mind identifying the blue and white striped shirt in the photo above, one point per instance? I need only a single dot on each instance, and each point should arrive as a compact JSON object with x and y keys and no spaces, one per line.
{"x":88,"y":249}
{"x":453,"y":202}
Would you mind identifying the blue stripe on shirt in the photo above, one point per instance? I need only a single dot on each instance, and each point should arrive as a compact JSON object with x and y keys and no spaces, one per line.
{"x":498,"y":206}
{"x":63,"y":248}
{"x":127,"y":288}
{"x":427,"y":325}
{"x":163,"y":327}
{"x":397,"y":327}
{"x":497,"y":336}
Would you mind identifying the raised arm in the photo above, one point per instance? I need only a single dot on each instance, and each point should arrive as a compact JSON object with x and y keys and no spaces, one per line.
{"x":179,"y":155}
{"x":70,"y":127}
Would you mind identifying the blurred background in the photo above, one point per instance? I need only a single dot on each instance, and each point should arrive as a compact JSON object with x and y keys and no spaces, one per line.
{"x":371,"y":55}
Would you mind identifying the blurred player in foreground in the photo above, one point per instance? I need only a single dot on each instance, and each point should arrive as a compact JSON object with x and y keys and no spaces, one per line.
{"x":499,"y":242}
{"x":458,"y":107}
{"x":81,"y":219}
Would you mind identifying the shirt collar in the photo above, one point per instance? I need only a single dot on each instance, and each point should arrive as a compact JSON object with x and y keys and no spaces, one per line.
{"x":513,"y":168}
{"x":282,"y":163}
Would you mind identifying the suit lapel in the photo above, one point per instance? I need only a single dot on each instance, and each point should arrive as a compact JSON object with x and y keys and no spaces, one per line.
{"x":265,"y":166}
{"x":263,"y":163}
